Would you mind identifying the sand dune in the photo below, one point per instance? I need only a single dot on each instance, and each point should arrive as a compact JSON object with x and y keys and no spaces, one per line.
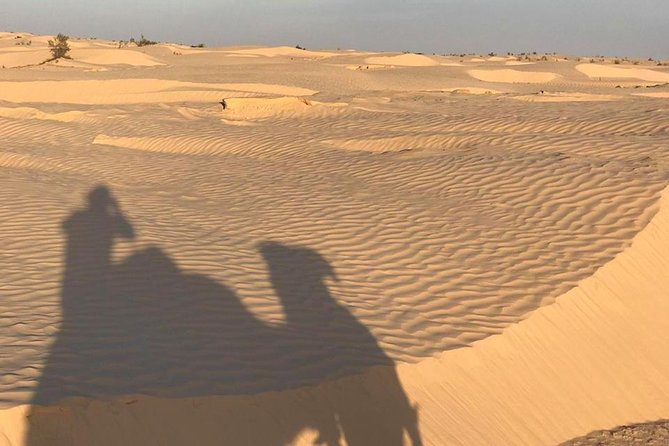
{"x":517,"y":63}
{"x":602,"y":71}
{"x":403,"y":60}
{"x":282,"y":51}
{"x":185,"y":50}
{"x":115,"y":57}
{"x":22,"y":56}
{"x":471,"y":90}
{"x":33,"y":113}
{"x":360,"y":257}
{"x":512,"y":76}
{"x":133,"y":91}
{"x":654,"y":94}
{"x":566,"y":97}
{"x":256,"y":108}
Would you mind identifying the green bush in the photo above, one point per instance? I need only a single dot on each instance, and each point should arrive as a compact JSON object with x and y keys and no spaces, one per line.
{"x":59,"y":47}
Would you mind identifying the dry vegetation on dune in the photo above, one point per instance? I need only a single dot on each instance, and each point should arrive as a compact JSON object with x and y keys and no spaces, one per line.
{"x":650,"y":434}
{"x":291,"y":246}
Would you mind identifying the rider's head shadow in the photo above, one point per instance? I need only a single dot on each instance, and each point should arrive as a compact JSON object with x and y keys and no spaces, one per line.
{"x":90,"y":235}
{"x":95,"y":227}
{"x":103,"y":207}
{"x":299,"y":276}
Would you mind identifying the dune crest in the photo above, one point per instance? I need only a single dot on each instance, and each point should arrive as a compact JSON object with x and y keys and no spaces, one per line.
{"x":512,"y":76}
{"x":33,"y":113}
{"x":134,"y":91}
{"x":566,"y":97}
{"x":280,"y":51}
{"x":645,"y":74}
{"x":403,"y":60}
{"x":115,"y":57}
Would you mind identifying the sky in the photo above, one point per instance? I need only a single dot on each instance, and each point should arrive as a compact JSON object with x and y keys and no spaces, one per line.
{"x":633,"y":28}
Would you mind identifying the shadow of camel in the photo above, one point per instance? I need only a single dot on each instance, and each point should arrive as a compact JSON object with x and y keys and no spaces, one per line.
{"x":142,"y":326}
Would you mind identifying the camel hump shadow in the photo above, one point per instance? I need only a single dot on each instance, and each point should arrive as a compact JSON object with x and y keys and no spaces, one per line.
{"x":144,"y":326}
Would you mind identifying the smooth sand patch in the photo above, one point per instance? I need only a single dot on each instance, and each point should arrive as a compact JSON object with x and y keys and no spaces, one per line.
{"x":257,"y":108}
{"x":115,"y":57}
{"x":22,"y":56}
{"x":468,"y":90}
{"x":403,"y":60}
{"x":510,"y":76}
{"x":518,"y":63}
{"x":594,"y":71}
{"x":133,"y":91}
{"x":566,"y":97}
{"x":654,"y":94}
{"x":33,"y":113}
{"x":281,"y":51}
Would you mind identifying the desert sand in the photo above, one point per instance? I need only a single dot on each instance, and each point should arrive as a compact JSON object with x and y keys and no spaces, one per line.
{"x":359,"y":249}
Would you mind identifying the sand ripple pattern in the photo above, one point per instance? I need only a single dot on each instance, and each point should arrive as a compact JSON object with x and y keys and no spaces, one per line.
{"x":445,"y":222}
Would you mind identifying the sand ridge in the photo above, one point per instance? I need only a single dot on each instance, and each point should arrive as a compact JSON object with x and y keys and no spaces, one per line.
{"x":403,"y":60}
{"x":508,"y":75}
{"x":131,"y":91}
{"x":566,"y":97}
{"x":601,"y":71}
{"x":114,"y":56}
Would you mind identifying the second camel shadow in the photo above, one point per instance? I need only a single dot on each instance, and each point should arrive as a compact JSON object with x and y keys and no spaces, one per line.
{"x":143,"y":326}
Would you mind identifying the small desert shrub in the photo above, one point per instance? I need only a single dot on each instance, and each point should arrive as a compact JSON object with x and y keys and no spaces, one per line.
{"x":616,"y":62}
{"x":143,"y":41}
{"x":59,"y":47}
{"x":544,"y":58}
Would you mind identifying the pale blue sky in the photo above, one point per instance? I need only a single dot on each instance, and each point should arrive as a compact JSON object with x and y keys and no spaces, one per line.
{"x":636,"y":28}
